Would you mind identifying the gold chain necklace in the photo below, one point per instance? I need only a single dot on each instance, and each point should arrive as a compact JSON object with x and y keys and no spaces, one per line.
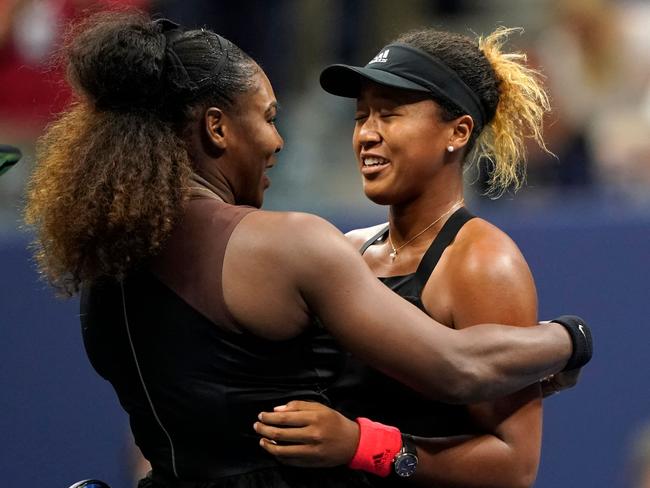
{"x":393,"y":254}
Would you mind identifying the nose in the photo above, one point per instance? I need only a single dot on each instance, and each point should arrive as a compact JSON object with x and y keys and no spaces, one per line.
{"x":369,"y":139}
{"x":280,"y":144}
{"x":368,"y":135}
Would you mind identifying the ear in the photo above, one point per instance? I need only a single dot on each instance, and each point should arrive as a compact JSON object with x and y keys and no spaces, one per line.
{"x":462,"y":130}
{"x":215,"y":127}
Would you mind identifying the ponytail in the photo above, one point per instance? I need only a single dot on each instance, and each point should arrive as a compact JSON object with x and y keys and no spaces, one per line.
{"x":105,"y":193}
{"x":511,"y":94}
{"x":519,"y":115}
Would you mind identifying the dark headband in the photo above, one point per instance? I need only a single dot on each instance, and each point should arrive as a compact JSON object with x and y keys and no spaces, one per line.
{"x":402,"y":66}
{"x":177,"y":75}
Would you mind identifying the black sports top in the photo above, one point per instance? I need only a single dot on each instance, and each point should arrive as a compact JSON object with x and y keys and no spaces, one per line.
{"x":365,"y":392}
{"x":193,"y":389}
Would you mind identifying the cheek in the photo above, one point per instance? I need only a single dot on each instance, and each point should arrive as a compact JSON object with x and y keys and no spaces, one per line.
{"x":271,"y":140}
{"x":424,"y":145}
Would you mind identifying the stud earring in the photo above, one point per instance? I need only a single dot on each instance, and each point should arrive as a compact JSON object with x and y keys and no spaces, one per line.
{"x":450,"y":148}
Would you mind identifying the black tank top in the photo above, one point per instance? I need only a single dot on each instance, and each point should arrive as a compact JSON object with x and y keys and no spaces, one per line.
{"x":193,"y":389}
{"x":365,"y":392}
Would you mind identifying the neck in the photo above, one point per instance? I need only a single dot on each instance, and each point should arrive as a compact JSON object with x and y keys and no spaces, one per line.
{"x":208,"y":177}
{"x":205,"y":185}
{"x":406,"y":219}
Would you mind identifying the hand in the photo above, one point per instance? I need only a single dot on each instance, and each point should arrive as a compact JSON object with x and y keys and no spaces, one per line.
{"x":308,"y":434}
{"x":560,"y":381}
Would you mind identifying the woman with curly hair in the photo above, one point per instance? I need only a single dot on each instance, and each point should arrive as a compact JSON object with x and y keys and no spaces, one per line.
{"x":201,"y":309}
{"x":429,"y":104}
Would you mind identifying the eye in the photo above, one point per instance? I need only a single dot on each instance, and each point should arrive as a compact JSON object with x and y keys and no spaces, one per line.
{"x":272,"y":120}
{"x":359,"y":116}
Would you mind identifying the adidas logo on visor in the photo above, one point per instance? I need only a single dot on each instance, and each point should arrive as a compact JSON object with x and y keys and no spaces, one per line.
{"x":382,"y":57}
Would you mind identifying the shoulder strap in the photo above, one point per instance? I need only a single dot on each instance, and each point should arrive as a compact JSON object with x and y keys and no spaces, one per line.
{"x":445,"y":237}
{"x":373,"y":239}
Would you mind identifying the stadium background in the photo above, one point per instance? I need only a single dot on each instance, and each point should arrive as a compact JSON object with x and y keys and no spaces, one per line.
{"x":583,"y":221}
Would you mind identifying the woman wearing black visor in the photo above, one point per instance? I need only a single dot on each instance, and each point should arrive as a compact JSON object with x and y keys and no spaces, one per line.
{"x":428,"y":105}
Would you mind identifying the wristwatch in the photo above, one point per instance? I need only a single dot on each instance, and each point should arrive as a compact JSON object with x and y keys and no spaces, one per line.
{"x":406,"y":460}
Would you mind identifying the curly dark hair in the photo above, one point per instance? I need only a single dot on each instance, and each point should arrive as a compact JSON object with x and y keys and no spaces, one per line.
{"x":512,"y":96}
{"x":113,"y":170}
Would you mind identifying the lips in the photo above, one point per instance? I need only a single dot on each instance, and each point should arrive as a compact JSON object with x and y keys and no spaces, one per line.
{"x":371,"y":164}
{"x":266,"y":181}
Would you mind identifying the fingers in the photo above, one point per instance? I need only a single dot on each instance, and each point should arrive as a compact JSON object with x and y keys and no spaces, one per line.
{"x":294,"y":405}
{"x":295,"y":455}
{"x":287,"y":434}
{"x":307,"y":434}
{"x":299,"y":418}
{"x":296,"y":413}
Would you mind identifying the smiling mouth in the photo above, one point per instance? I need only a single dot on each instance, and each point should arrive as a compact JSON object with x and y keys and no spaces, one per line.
{"x":373,"y":164}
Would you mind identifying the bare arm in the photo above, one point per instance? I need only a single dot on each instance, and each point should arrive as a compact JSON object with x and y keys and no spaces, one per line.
{"x":488,"y":283}
{"x":279,"y":268}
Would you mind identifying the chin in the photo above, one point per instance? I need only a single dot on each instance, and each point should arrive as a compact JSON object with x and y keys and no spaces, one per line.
{"x":377,"y":195}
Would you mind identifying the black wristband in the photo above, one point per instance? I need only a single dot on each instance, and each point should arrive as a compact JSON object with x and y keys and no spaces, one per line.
{"x":580,"y":339}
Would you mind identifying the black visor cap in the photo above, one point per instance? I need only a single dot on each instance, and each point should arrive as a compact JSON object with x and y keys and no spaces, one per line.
{"x":345,"y":81}
{"x":405,"y":67}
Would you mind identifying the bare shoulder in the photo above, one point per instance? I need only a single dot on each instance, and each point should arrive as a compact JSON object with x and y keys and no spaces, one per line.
{"x":484,"y":253}
{"x":359,"y":236}
{"x":284,"y":234}
{"x":488,"y":279}
{"x":269,"y":258}
{"x":268,"y":223}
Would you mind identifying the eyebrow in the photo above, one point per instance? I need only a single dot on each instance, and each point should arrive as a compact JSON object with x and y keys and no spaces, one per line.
{"x":272,"y":106}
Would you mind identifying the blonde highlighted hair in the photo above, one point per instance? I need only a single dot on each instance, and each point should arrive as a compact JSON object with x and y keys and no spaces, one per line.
{"x":511,"y":93}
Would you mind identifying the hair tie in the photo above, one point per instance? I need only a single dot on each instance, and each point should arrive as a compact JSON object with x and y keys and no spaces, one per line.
{"x":174,"y":71}
{"x":225,"y":54}
{"x":165,"y":26}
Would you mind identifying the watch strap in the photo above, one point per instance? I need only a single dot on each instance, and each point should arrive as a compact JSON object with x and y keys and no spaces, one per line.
{"x":406,"y":460}
{"x":408,"y":445}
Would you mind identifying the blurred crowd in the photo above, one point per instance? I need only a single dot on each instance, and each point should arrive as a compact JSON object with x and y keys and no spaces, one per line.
{"x":594,"y":54}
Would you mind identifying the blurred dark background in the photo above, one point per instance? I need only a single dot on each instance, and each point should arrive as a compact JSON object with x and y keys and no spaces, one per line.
{"x":583,"y":220}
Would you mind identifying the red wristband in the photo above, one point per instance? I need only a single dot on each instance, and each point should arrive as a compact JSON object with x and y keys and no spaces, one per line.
{"x":378,"y":446}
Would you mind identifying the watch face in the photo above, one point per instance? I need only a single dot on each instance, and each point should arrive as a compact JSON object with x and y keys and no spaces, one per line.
{"x":405,"y":465}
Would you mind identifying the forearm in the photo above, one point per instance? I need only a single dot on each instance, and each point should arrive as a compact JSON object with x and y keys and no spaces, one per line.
{"x":503,"y":453}
{"x":502,"y":360}
{"x":312,"y":435}
{"x":484,"y":461}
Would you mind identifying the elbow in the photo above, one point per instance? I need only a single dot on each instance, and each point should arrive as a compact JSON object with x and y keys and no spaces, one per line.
{"x":513,"y":476}
{"x":466,"y":383}
{"x":472,"y":384}
{"x":522,"y":472}
{"x":524,"y":477}
{"x":529,"y":466}
{"x":529,"y":480}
